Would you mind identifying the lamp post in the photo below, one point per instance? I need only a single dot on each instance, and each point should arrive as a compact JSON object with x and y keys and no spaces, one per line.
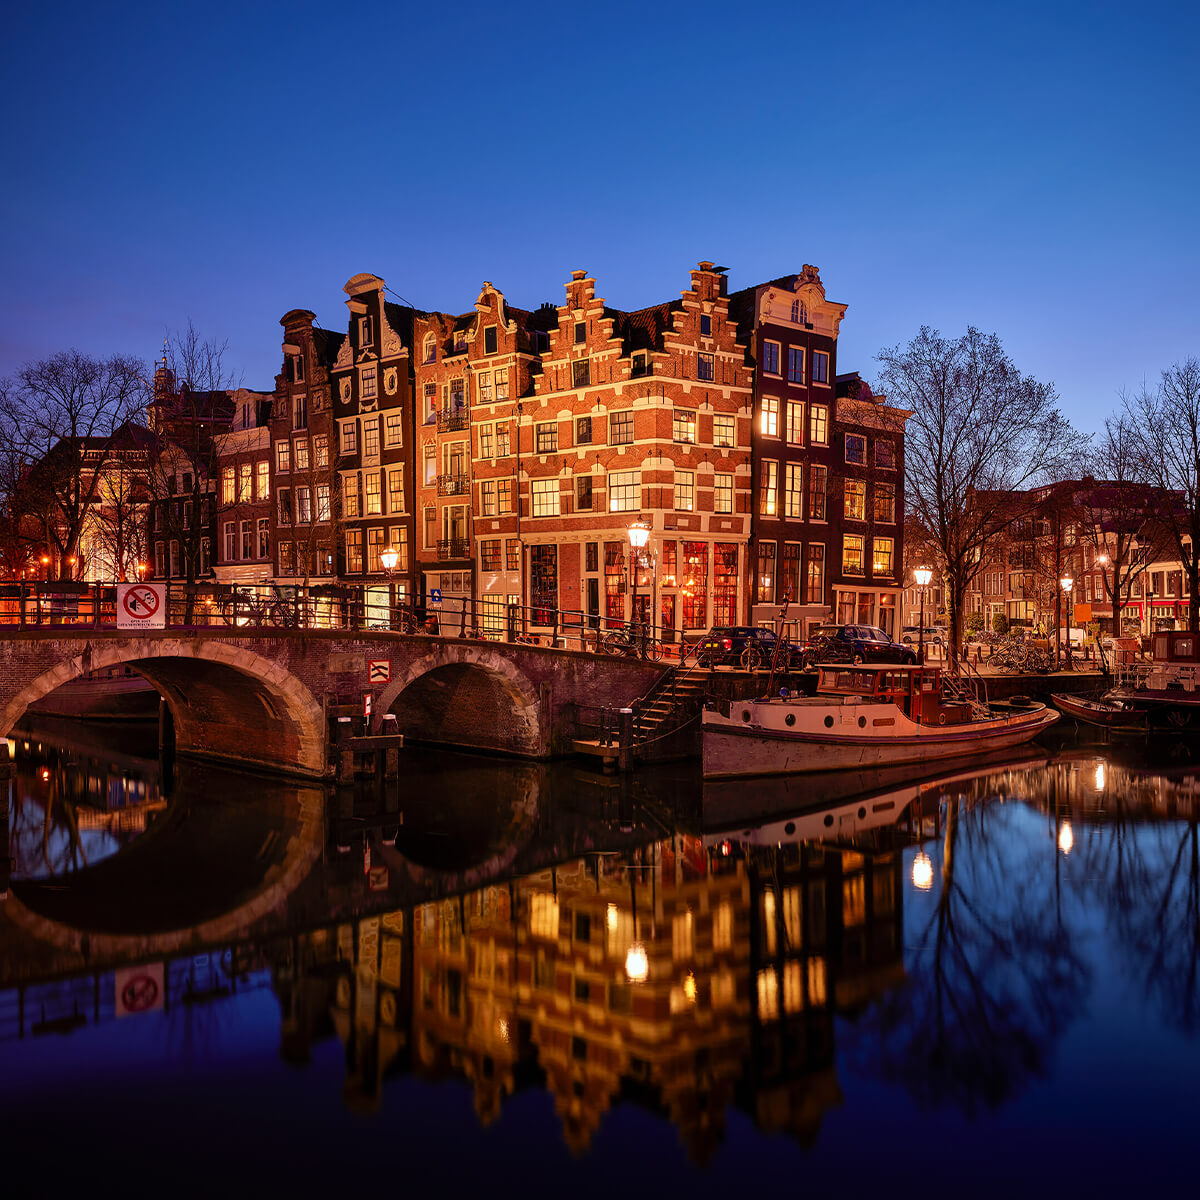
{"x":639,"y":534}
{"x":922,"y":575}
{"x":387,"y":560}
{"x":1067,"y":583}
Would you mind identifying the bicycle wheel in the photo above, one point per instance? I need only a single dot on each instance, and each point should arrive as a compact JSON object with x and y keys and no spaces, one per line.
{"x":616,"y":643}
{"x":654,"y":650}
{"x":752,"y":659}
{"x":283,"y":615}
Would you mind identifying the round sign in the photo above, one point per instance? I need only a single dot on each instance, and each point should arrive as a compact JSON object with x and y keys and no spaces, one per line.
{"x":141,"y":602}
{"x":139,"y":993}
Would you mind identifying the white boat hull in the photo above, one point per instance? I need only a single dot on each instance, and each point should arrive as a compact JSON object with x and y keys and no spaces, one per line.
{"x":832,"y":736}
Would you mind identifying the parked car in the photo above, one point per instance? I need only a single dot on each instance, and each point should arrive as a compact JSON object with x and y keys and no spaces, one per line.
{"x":854,"y":643}
{"x":910,"y":635}
{"x":748,"y":646}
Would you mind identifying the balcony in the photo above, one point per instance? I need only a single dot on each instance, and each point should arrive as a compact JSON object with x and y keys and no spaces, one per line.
{"x":457,"y":417}
{"x":453,"y":485}
{"x":453,"y":548}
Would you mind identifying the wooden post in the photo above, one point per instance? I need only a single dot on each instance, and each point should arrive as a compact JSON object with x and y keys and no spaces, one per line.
{"x":345,"y":756}
{"x":625,"y":742}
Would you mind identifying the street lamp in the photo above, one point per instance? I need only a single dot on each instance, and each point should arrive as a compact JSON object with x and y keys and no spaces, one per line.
{"x":388,"y":560}
{"x":922,"y":575}
{"x":1067,"y":583}
{"x":639,"y":535}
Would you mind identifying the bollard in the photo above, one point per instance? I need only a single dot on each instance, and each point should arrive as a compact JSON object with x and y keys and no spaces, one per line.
{"x":345,"y":756}
{"x":625,"y":742}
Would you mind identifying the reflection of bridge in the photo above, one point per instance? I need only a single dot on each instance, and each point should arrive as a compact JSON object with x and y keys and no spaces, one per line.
{"x":263,"y":699}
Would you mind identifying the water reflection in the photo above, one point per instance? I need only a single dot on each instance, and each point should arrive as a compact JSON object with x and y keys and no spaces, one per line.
{"x":691,"y":952}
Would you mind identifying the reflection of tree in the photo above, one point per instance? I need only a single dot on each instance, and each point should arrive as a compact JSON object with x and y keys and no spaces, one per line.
{"x":992,"y":976}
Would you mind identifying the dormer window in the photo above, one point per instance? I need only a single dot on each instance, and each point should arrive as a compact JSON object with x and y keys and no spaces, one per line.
{"x":365,"y":332}
{"x":799,"y":312}
{"x":638,"y":366}
{"x":489,"y":340}
{"x":430,"y":348}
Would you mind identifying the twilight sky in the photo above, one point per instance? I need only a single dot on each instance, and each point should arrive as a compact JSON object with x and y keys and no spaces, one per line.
{"x":1028,"y":168}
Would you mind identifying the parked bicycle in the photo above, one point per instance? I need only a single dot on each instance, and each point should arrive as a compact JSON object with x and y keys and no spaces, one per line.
{"x":632,"y":641}
{"x":251,"y":608}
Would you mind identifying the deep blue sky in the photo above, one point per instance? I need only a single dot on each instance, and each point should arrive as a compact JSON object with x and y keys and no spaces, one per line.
{"x":1030,"y":169}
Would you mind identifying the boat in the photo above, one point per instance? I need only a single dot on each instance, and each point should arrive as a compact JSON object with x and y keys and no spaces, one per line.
{"x":863,"y":716}
{"x":1162,"y":694}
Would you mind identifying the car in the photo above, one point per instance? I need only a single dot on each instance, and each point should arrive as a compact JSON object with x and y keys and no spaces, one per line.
{"x":749,"y":646}
{"x":910,"y":635}
{"x":854,"y":644}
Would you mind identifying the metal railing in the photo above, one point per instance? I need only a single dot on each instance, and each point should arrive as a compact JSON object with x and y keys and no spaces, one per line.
{"x":453,"y":485}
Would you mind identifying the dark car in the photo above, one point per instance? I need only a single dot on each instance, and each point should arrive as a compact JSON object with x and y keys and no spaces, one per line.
{"x":854,"y":644}
{"x":748,"y":646}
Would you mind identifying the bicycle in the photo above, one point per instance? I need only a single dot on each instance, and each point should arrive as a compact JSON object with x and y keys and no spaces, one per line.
{"x":630,"y":643}
{"x":249,"y":608}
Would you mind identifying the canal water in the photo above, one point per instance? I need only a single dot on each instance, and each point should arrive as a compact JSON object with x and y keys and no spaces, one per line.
{"x":544,"y":980}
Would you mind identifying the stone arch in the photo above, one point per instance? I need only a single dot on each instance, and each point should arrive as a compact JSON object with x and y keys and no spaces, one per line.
{"x":506,"y":712}
{"x":227,"y":702}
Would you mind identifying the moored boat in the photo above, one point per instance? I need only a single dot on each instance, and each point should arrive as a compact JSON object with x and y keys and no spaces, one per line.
{"x":862,"y":716}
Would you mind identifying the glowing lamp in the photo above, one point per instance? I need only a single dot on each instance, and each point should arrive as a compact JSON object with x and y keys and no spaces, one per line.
{"x":922,"y":872}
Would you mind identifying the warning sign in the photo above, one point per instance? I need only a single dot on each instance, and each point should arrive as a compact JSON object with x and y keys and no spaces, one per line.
{"x":141,"y":606}
{"x":138,"y":989}
{"x":379,"y":670}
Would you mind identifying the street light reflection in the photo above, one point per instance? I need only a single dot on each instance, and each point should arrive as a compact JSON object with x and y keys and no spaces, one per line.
{"x":922,"y":871}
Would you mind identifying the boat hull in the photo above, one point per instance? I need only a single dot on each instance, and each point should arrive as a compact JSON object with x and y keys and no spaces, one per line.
{"x":734,"y":747}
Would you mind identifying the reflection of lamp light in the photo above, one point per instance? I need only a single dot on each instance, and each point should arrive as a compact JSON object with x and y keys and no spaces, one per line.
{"x":1099,"y":777}
{"x":1066,"y":839}
{"x":612,"y":916}
{"x":637,"y":963}
{"x":689,"y":987}
{"x":922,"y":871}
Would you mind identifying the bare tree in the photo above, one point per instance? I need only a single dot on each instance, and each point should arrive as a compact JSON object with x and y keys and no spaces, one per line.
{"x":61,"y":421}
{"x":1166,"y":425}
{"x":980,"y":433}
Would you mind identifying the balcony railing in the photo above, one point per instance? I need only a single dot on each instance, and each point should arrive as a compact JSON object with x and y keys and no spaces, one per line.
{"x":453,"y":485}
{"x":453,"y":418}
{"x":453,"y":548}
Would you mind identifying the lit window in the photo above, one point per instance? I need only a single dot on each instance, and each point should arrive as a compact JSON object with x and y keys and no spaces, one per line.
{"x":852,"y":554}
{"x":624,"y":491}
{"x":724,"y":430}
{"x":795,"y":423}
{"x":620,"y":429}
{"x":885,"y":503}
{"x":545,"y":497}
{"x":856,"y":500}
{"x":684,"y":491}
{"x":767,"y":486}
{"x":769,"y":417}
{"x":881,"y":557}
{"x":367,"y":383}
{"x":547,"y":437}
{"x":394,"y":429}
{"x":818,"y":424}
{"x":723,"y":493}
{"x":683,"y":426}
{"x":283,"y":456}
{"x":349,"y":437}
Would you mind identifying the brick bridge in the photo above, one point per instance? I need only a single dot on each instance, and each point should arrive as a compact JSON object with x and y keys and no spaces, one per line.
{"x":263,"y":699}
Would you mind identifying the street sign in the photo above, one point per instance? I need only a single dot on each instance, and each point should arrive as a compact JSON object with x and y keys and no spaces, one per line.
{"x":366,"y":704}
{"x":435,"y":597}
{"x":138,"y":989}
{"x":379,"y":670}
{"x":141,"y":606}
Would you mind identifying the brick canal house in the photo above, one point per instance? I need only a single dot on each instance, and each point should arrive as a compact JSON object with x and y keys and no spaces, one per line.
{"x":828,"y":467}
{"x":243,"y":544}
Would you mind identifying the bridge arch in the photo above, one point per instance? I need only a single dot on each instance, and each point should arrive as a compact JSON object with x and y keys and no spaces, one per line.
{"x":227,"y":701}
{"x":468,"y":695}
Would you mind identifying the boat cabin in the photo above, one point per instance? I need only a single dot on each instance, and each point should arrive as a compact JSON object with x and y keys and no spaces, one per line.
{"x":1176,"y":646}
{"x":915,"y":690}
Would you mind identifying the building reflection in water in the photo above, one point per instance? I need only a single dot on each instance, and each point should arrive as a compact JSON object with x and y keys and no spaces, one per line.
{"x":756,"y":940}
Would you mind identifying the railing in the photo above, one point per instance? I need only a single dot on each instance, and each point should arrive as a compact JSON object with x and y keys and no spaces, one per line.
{"x":453,"y":548}
{"x":453,"y":485}
{"x":451,"y":419}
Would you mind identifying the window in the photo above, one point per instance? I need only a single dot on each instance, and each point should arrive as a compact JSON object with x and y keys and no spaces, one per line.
{"x":852,"y":554}
{"x":547,"y":437}
{"x":227,"y":484}
{"x":489,"y":340}
{"x":637,"y":366}
{"x":620,"y":428}
{"x":367,"y":383}
{"x":300,"y":412}
{"x":350,"y":504}
{"x":374,"y":548}
{"x":374,"y":495}
{"x":818,"y":424}
{"x":500,"y":375}
{"x":683,"y":426}
{"x":885,"y":503}
{"x":489,"y":555}
{"x":768,"y":421}
{"x":264,"y":537}
{"x":685,"y":491}
{"x":230,"y":541}
{"x":430,"y":348}
{"x":770,"y":358}
{"x":583,"y":493}
{"x":795,"y":423}
{"x":429,"y":407}
{"x":793,"y":491}
{"x":543,"y":583}
{"x":581,"y":373}
{"x":246,"y":482}
{"x":723,"y":493}
{"x":583,"y":431}
{"x":545,"y":497}
{"x":487,"y":498}
{"x":795,"y":364}
{"x":283,"y":456}
{"x":458,"y":395}
{"x":321,"y":451}
{"x":354,"y":559}
{"x":483,"y":387}
{"x":764,"y":585}
{"x":624,"y":491}
{"x":885,"y":454}
{"x":303,"y":506}
{"x":349,"y":432}
{"x":262,"y":485}
{"x":399,"y":543}
{"x":393,"y":429}
{"x":580,"y":332}
{"x":502,"y":443}
{"x":856,"y":449}
{"x":485,"y":441}
{"x":296,"y":368}
{"x":504,"y":496}
{"x":768,"y":483}
{"x":820,"y":366}
{"x":704,"y":367}
{"x":365,"y":332}
{"x":816,"y":492}
{"x":287,"y":558}
{"x":856,"y":500}
{"x":724,"y":430}
{"x":323,"y":509}
{"x":431,"y":470}
{"x":790,"y":572}
{"x":285,"y":506}
{"x":705,"y":325}
{"x":512,"y":555}
{"x":881,"y":557}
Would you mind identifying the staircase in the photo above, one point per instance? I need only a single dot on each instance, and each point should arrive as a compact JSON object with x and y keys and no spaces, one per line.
{"x":676,"y":697}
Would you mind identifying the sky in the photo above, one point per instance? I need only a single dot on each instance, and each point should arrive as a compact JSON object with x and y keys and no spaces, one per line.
{"x":1029,"y":169}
